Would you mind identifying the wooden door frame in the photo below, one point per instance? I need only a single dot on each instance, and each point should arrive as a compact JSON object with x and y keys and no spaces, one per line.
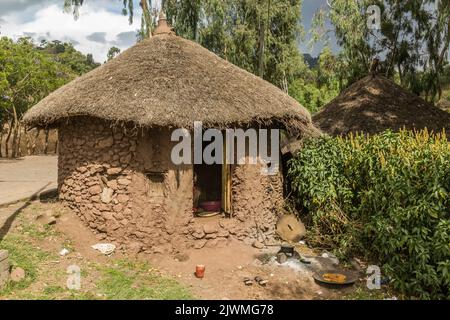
{"x":226,"y":182}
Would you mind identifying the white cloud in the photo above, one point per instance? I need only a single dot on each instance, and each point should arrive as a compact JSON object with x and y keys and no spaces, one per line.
{"x":52,"y":23}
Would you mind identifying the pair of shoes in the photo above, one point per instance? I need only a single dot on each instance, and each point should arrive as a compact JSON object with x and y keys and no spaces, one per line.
{"x":259,"y":280}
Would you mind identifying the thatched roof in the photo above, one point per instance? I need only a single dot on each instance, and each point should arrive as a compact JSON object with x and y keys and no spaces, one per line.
{"x":168,"y":81}
{"x":375,"y":104}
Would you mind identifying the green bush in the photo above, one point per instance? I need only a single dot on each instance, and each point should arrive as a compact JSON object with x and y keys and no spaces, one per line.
{"x":386,"y":197}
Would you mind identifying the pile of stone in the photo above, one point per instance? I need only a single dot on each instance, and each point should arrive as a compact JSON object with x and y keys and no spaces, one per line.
{"x":4,"y":268}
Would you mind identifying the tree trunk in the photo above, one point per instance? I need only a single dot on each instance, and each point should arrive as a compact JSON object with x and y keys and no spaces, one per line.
{"x":28,"y":143}
{"x":261,"y":44}
{"x":14,"y":142}
{"x":19,"y":141}
{"x":46,"y":141}
{"x":400,"y":73}
{"x":1,"y":140}
{"x":15,"y":134}
{"x":8,"y":137}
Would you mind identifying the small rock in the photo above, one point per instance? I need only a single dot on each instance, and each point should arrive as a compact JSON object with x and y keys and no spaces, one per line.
{"x":64,"y":252}
{"x":281,"y":258}
{"x":105,"y":248}
{"x":209,"y":229}
{"x":18,"y":274}
{"x":122,"y":198}
{"x":114,"y":171}
{"x":124,"y":182}
{"x":82,"y":169}
{"x":258,"y":245}
{"x":182,"y":257}
{"x":198,"y":234}
{"x":107,"y":195}
{"x":95,"y":190}
{"x":289,"y":228}
{"x":199,"y":244}
{"x":330,"y":256}
{"x":106,"y":143}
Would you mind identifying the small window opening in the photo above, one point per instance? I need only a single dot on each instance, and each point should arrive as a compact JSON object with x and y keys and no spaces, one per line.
{"x":156,"y":185}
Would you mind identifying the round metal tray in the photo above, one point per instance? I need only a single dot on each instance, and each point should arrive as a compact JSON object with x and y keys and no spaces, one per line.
{"x":351,"y":277}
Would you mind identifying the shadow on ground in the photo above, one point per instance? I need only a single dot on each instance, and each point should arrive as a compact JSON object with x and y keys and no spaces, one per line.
{"x":9,"y":221}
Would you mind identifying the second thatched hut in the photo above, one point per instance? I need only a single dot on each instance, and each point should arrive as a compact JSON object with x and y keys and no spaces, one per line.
{"x":375,"y":104}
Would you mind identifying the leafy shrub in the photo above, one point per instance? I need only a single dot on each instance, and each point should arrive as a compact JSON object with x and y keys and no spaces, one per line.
{"x":386,"y":197}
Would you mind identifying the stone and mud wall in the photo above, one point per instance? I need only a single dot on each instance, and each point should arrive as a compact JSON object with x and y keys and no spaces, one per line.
{"x":122,"y":184}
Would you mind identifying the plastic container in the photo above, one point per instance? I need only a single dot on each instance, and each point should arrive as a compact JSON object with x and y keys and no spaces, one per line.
{"x":200,"y":271}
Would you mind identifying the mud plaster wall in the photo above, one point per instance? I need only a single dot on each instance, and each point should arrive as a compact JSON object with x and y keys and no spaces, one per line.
{"x":123,"y":185}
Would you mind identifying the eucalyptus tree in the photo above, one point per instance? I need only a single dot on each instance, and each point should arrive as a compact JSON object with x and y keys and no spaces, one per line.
{"x":260,"y":36}
{"x":412,"y":37}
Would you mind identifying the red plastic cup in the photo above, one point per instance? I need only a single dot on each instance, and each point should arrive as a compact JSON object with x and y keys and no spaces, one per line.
{"x":200,"y":271}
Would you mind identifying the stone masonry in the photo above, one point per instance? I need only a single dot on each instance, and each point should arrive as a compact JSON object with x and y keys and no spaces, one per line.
{"x":122,"y":184}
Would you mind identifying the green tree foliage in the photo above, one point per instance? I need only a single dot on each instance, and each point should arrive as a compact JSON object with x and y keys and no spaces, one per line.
{"x":112,"y":53}
{"x":386,"y":197}
{"x":413,"y":40}
{"x":28,"y":73}
{"x":257,"y":35}
{"x":66,"y":54}
{"x":316,"y":87}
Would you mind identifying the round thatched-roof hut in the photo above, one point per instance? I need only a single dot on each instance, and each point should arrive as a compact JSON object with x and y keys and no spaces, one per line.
{"x":375,"y":104}
{"x":115,"y":167}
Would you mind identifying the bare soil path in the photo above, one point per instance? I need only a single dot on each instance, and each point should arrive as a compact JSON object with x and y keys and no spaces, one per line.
{"x":25,"y":177}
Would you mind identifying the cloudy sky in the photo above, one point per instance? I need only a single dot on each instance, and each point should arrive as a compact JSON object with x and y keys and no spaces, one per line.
{"x":101,"y":24}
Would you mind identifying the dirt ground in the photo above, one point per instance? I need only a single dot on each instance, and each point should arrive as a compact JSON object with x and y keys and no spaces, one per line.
{"x":24,"y":177}
{"x":225,"y":267}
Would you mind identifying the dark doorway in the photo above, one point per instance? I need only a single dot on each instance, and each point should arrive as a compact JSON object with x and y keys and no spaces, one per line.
{"x":208,"y":187}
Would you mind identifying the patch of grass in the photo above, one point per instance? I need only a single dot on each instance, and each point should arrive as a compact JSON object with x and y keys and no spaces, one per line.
{"x":45,"y":280}
{"x":52,"y":293}
{"x":362,"y":293}
{"x":134,"y":281}
{"x":38,"y":232}
{"x":53,"y":290}
{"x":24,"y":255}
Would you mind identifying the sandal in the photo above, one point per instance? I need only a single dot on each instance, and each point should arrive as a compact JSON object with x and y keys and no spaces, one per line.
{"x":261,"y":281}
{"x":248,"y":282}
